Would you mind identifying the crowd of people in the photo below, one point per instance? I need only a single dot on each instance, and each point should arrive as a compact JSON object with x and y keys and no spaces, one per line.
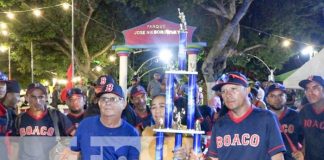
{"x":242,"y":121}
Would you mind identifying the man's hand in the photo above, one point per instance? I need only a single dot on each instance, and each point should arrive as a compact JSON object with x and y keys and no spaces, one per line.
{"x":180,"y":153}
{"x":194,"y":156}
{"x":298,"y":155}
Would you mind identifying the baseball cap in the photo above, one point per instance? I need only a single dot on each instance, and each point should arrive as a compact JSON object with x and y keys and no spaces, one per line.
{"x":111,"y":88}
{"x":3,"y":77}
{"x":74,"y":91}
{"x":105,"y":79}
{"x":137,"y":90}
{"x":313,"y":78}
{"x":231,"y":78}
{"x":34,"y":86}
{"x":102,"y":81}
{"x":275,"y":86}
{"x":13,"y":86}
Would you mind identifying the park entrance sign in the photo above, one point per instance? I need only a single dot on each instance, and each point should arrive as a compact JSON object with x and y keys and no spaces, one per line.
{"x":156,"y":32}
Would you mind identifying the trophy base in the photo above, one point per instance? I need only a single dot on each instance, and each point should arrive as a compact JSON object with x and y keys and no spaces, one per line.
{"x":180,"y":72}
{"x":187,"y":131}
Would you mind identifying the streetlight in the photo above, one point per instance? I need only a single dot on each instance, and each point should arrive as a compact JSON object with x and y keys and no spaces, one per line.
{"x":308,"y":50}
{"x":286,"y":43}
{"x":165,"y":55}
{"x":271,"y":76}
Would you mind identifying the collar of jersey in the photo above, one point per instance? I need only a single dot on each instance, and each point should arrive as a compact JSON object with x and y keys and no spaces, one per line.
{"x":240,"y":119}
{"x":39,"y":117}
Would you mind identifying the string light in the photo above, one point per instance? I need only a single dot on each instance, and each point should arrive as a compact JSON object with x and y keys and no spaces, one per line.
{"x":31,"y":10}
{"x":10,"y":15}
{"x":3,"y":48}
{"x":37,"y":12}
{"x":286,"y":43}
{"x":3,"y":25}
{"x":65,"y":6}
{"x":278,"y":36}
{"x":5,"y":33}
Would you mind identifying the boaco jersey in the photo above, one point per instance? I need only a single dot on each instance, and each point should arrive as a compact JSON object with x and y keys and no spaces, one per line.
{"x":313,"y":127}
{"x":75,"y":119}
{"x":255,"y":135}
{"x":290,"y":128}
{"x":31,"y":125}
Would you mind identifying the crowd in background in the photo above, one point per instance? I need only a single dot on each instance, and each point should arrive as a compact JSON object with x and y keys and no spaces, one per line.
{"x":101,"y":108}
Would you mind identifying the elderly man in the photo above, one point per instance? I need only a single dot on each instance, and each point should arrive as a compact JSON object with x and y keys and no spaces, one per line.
{"x":107,"y":136}
{"x":291,"y":129}
{"x":312,"y":116}
{"x":245,"y":132}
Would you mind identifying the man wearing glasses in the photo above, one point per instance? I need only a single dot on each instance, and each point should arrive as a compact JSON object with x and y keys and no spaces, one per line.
{"x":245,"y":132}
{"x":107,"y":136}
{"x":312,"y":116}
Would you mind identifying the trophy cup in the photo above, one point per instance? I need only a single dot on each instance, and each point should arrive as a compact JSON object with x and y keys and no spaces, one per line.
{"x":192,"y":128}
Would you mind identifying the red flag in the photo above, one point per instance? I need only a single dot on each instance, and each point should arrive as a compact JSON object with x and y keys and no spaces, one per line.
{"x":69,"y":77}
{"x":69,"y":84}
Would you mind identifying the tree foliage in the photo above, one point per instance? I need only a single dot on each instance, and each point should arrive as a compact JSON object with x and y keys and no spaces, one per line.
{"x":98,"y":25}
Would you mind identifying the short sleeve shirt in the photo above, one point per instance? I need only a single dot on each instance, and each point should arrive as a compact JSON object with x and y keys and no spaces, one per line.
{"x":255,"y":135}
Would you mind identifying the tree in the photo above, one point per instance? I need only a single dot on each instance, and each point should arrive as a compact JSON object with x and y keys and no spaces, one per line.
{"x":51,"y":36}
{"x":227,"y":19}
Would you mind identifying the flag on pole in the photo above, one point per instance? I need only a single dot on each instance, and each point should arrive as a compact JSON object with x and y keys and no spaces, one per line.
{"x":69,"y":84}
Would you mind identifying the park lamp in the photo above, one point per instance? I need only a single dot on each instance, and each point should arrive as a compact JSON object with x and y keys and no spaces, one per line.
{"x":165,"y":55}
{"x":286,"y":43}
{"x":308,"y":50}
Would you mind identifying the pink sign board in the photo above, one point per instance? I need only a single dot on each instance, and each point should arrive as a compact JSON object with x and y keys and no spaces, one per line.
{"x":156,"y":31}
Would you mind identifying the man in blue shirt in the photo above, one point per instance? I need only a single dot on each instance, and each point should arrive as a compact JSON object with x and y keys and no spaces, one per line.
{"x":107,"y":136}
